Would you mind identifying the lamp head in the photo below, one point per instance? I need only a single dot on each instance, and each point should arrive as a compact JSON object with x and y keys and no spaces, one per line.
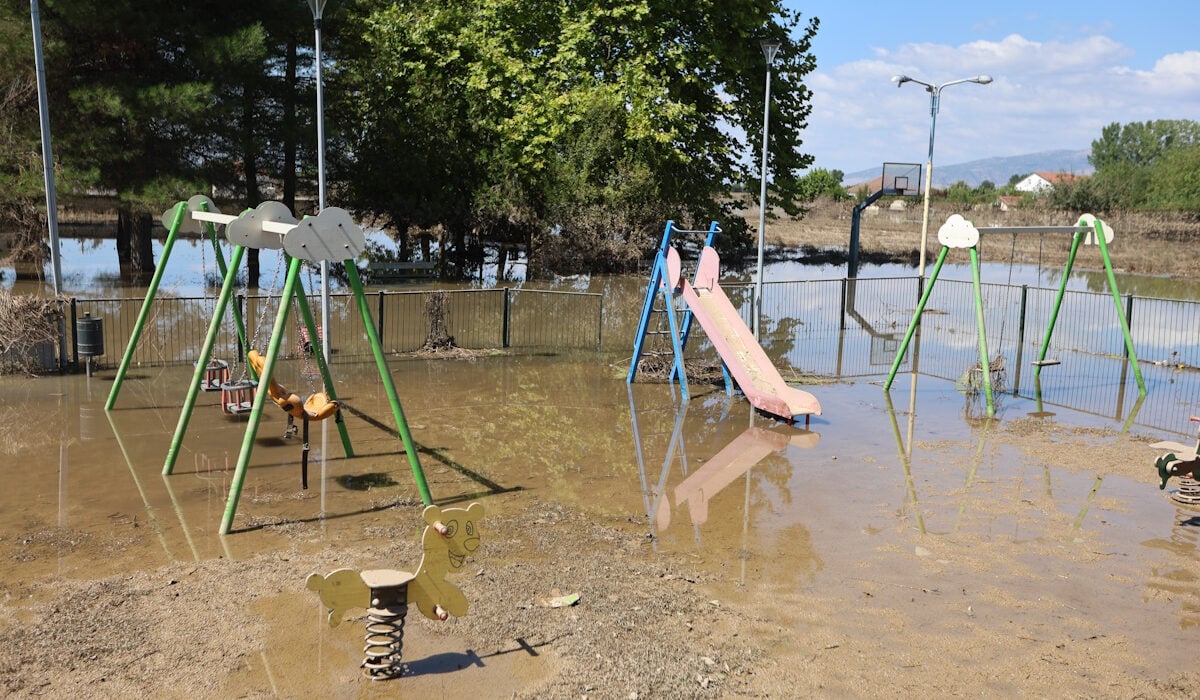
{"x":900,"y":79}
{"x":770,"y":49}
{"x":982,"y":79}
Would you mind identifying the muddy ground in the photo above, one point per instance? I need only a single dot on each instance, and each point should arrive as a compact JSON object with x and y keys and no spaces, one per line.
{"x":930,"y":609}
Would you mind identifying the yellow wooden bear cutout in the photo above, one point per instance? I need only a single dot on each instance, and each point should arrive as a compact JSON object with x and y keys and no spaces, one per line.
{"x":450,"y":535}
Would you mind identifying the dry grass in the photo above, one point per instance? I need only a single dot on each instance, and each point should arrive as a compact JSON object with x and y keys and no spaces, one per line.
{"x":25,"y":323}
{"x":1143,"y":243}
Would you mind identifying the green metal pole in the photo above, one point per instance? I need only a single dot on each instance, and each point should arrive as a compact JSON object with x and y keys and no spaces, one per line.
{"x":1062,"y":290}
{"x":916,"y":319}
{"x":1112,"y":285}
{"x":211,"y":230}
{"x":214,"y":327}
{"x":385,"y":376}
{"x":176,"y":222}
{"x":984,"y":364}
{"x":322,"y":364}
{"x":260,"y":396}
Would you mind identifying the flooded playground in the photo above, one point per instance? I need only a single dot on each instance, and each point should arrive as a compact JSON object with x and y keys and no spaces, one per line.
{"x":906,"y":540}
{"x":882,"y":551}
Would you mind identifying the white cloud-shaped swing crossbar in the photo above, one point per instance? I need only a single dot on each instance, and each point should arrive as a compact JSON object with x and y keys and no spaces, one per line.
{"x":957,"y":232}
{"x":190,"y":224}
{"x":329,"y":236}
{"x":1091,"y":222}
{"x":253,"y":229}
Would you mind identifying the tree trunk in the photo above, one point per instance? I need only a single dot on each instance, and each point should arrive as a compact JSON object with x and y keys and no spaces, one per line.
{"x":135,"y":252}
{"x":289,"y":126}
{"x":250,"y":170}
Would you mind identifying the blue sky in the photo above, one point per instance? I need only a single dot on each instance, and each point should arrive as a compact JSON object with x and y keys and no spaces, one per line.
{"x":1062,"y":71}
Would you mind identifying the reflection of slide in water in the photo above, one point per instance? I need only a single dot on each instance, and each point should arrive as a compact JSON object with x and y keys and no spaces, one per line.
{"x":735,"y":459}
{"x":745,"y":359}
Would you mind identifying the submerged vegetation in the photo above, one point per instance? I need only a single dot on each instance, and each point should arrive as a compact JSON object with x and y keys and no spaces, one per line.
{"x":27,"y":325}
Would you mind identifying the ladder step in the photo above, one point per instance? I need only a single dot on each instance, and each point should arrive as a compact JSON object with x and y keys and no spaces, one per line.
{"x":1045,"y":363}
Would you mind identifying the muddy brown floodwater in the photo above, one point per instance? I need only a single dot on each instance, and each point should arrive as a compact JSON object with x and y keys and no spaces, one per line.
{"x":881,"y":552}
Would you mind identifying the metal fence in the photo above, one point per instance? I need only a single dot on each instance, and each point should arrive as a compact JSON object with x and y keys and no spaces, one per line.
{"x":853,"y":328}
{"x":477,"y":319}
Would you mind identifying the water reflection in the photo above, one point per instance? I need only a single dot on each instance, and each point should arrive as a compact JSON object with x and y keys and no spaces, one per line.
{"x":698,"y":489}
{"x":1176,"y":578}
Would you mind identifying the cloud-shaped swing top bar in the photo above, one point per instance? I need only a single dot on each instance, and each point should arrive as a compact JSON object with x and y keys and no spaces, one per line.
{"x":329,"y":236}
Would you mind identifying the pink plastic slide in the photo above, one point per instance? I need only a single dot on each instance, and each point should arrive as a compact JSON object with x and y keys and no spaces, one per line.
{"x":743,"y":356}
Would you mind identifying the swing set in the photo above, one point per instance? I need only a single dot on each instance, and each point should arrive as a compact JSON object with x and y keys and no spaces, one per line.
{"x":958,"y":232}
{"x":330,"y":236}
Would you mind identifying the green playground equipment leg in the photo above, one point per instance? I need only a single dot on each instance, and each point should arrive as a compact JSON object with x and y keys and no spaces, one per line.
{"x":385,"y":376}
{"x":1062,"y":290}
{"x":214,"y":327}
{"x":211,"y":231}
{"x":916,"y":319}
{"x":1112,"y":285}
{"x":260,"y":397}
{"x":180,"y":212}
{"x":984,"y":363}
{"x":322,"y":365}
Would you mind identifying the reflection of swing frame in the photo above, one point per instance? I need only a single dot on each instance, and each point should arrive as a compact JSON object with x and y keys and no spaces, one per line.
{"x":957,"y":232}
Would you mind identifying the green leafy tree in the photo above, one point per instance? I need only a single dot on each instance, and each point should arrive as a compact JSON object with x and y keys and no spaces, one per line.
{"x":20,"y":164}
{"x":1140,"y":144}
{"x":554,"y":125}
{"x":170,"y":101}
{"x":960,"y":193}
{"x":1174,"y":181}
{"x":823,"y":183}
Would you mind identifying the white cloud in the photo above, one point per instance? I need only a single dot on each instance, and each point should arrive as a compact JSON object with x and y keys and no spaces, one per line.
{"x":1045,"y":96}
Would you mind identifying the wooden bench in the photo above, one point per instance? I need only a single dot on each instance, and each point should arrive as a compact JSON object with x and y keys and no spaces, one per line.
{"x":389,"y":271}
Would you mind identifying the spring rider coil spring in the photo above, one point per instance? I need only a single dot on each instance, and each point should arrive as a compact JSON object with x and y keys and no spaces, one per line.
{"x":385,"y":623}
{"x":450,"y":536}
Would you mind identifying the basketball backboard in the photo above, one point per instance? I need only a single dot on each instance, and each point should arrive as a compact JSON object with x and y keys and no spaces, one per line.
{"x":903,"y":179}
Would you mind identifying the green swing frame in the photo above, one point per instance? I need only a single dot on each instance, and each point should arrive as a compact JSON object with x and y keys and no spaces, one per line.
{"x":198,"y":209}
{"x":1087,"y":227}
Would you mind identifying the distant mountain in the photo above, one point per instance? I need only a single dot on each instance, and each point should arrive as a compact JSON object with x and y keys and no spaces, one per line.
{"x":998,"y":170}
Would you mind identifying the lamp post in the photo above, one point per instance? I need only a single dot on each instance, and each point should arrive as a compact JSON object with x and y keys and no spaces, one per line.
{"x":318,"y":9}
{"x":47,"y":148}
{"x":769,"y":49}
{"x":935,"y":95}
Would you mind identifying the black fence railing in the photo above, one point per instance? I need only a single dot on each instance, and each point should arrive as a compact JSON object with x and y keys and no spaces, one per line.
{"x":843,"y":328}
{"x":476,"y":319}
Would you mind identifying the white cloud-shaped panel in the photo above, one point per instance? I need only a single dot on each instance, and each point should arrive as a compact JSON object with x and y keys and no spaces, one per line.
{"x":247,"y":230}
{"x":331,"y":235}
{"x":197,"y":202}
{"x":1091,"y":221}
{"x":957,"y":232}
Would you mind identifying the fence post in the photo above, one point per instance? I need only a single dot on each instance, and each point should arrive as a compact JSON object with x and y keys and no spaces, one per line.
{"x":842,"y":311}
{"x":74,"y":334}
{"x":1128,"y":319}
{"x":600,"y":326}
{"x":504,"y":323}
{"x":240,"y":302}
{"x":379,"y":332}
{"x":1021,"y":321}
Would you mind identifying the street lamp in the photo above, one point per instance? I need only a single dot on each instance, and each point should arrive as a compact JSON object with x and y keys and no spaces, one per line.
{"x":769,"y":49}
{"x":935,"y":93}
{"x":318,"y":9}
{"x":47,"y":148}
